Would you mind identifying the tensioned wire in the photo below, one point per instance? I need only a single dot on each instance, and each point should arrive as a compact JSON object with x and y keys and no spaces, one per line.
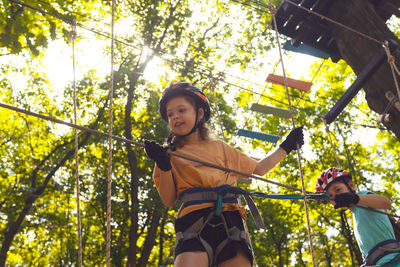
{"x":139,"y":46}
{"x":195,"y":70}
{"x":121,"y":139}
{"x":273,"y":11}
{"x":110,"y":139}
{"x":219,"y":72}
{"x":110,"y":148}
{"x":76,"y":147}
{"x":128,"y":141}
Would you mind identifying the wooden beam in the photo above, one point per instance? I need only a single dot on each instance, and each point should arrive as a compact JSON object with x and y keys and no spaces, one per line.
{"x":280,"y":112}
{"x":305,"y":49}
{"x":301,"y":85}
{"x":272,"y":138}
{"x":362,"y":78}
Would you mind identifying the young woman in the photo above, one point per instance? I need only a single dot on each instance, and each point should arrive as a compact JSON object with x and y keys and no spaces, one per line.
{"x":204,"y":235}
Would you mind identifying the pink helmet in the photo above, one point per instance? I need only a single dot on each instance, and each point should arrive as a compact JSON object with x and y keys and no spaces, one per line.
{"x":328,"y":176}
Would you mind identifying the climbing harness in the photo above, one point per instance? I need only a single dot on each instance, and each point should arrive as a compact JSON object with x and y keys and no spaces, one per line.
{"x":233,"y":234}
{"x":226,"y":194}
{"x":381,"y":250}
{"x":217,"y":195}
{"x":230,"y":194}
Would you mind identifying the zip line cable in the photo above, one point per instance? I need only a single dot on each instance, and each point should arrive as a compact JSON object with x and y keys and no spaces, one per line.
{"x":193,"y":69}
{"x":73,"y":36}
{"x":171,"y":61}
{"x":121,"y":139}
{"x":137,"y":144}
{"x":110,"y":139}
{"x":157,"y":51}
{"x":273,"y":12}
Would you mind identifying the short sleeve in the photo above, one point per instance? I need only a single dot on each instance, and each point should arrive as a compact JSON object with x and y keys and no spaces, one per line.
{"x":238,"y":160}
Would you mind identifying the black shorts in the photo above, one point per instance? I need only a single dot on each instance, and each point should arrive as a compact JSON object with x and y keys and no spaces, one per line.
{"x":213,"y":233}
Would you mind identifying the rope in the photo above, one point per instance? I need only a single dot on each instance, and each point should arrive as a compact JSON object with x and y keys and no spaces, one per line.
{"x":391,"y":61}
{"x":200,"y":72}
{"x":110,"y":139}
{"x":335,"y":22}
{"x":130,"y":142}
{"x":331,"y":142}
{"x":194,"y":70}
{"x":72,"y":37}
{"x":273,"y":12}
{"x":140,"y":46}
{"x":212,"y":89}
{"x":137,"y":144}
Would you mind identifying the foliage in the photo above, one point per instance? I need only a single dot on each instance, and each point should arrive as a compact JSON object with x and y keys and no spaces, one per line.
{"x":202,"y":42}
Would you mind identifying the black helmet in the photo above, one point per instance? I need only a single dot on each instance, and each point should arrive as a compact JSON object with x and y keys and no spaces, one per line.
{"x":188,"y":89}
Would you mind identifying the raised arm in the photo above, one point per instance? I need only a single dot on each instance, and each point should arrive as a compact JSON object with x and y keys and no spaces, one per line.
{"x":266,"y":164}
{"x":375,"y":201}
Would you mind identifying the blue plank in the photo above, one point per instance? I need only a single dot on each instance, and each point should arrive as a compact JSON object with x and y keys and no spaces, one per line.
{"x":305,"y":49}
{"x":272,"y":138}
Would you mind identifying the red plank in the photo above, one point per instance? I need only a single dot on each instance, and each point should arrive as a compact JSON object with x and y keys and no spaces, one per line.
{"x":301,"y":85}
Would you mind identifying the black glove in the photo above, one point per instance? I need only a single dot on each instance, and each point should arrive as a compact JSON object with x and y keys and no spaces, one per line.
{"x":346,"y":199}
{"x":158,"y":154}
{"x":294,"y":137}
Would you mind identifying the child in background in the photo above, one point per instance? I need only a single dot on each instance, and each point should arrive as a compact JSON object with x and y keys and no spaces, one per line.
{"x":203,"y":236}
{"x":373,"y":231}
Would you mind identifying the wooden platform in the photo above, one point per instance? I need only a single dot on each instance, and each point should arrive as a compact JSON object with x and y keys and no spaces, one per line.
{"x":272,"y":138}
{"x":309,"y":29}
{"x":280,"y":112}
{"x":301,"y":85}
{"x":305,"y":49}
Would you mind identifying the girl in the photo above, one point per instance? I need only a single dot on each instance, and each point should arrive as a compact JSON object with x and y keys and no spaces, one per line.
{"x":373,"y":231}
{"x":204,"y":235}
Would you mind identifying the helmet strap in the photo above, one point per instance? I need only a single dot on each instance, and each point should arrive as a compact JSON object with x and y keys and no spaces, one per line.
{"x":347,"y":185}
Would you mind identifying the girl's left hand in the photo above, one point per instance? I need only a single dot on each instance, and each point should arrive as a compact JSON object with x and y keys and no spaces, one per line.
{"x":158,"y":154}
{"x":346,"y":199}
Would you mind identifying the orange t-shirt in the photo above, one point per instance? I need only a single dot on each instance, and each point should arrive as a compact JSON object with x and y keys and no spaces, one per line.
{"x":189,"y":174}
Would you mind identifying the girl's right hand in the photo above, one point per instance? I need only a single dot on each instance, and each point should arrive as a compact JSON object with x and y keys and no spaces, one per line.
{"x":159,"y":154}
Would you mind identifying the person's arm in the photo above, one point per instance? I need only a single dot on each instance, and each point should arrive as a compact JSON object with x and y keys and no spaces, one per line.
{"x":266,"y":164}
{"x":166,"y":188}
{"x":375,"y":201}
{"x":294,"y":138}
{"x":162,"y":174}
{"x":370,"y":200}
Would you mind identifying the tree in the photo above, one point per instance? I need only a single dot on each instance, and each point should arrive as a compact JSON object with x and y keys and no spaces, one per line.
{"x":357,"y":52}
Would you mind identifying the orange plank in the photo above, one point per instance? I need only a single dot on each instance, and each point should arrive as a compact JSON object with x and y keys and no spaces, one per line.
{"x":301,"y":85}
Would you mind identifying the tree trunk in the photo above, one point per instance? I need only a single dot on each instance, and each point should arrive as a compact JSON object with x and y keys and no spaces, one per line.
{"x":150,"y":238}
{"x":39,"y":190}
{"x":357,"y":51}
{"x":132,"y":159}
{"x":15,"y":226}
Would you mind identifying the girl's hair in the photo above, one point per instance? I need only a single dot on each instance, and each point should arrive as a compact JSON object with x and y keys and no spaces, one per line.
{"x":176,"y":141}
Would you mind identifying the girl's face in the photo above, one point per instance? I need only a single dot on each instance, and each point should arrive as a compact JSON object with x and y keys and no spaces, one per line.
{"x":338,"y":188}
{"x":181,"y":115}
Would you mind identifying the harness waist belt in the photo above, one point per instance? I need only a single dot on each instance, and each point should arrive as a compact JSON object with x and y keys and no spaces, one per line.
{"x":226,"y":193}
{"x":381,"y":250}
{"x":203,"y":197}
